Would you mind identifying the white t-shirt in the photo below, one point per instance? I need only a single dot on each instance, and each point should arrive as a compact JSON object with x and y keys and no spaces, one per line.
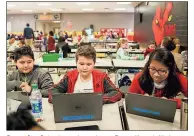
{"x":83,"y":87}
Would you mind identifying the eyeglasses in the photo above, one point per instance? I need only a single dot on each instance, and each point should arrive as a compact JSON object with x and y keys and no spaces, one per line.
{"x":160,"y":72}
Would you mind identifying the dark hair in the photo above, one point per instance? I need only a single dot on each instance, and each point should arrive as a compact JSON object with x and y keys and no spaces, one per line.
{"x":23,"y":51}
{"x":87,"y":51}
{"x":168,"y":43}
{"x":22,"y":42}
{"x":21,"y":120}
{"x":27,"y":24}
{"x":51,"y":33}
{"x":61,"y":39}
{"x":166,"y":58}
{"x":84,"y":32}
{"x":152,"y":42}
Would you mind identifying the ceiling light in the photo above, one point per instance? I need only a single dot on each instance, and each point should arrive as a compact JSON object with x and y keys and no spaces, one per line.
{"x":87,"y":9}
{"x":83,"y":3}
{"x":120,"y":9}
{"x":56,"y":21}
{"x":11,"y":5}
{"x":27,"y":10}
{"x":123,"y":2}
{"x":44,"y":4}
{"x":56,"y":10}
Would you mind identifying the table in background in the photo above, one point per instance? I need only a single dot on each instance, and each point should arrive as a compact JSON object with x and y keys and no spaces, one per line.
{"x":71,"y":63}
{"x":126,"y":64}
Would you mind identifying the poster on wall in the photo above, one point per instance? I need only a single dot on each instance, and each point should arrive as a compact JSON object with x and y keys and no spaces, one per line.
{"x":118,"y":31}
{"x":8,"y":27}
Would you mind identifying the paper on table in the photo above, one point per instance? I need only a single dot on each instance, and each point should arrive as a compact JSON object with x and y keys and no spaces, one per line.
{"x":14,"y":105}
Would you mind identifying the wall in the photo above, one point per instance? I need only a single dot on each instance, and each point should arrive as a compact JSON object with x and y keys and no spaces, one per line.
{"x":144,"y":31}
{"x":18,"y":22}
{"x":101,"y":20}
{"x":48,"y":26}
{"x":79,"y":21}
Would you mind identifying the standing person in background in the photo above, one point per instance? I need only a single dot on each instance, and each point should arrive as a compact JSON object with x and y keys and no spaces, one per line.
{"x":85,"y":38}
{"x":74,"y":37}
{"x":66,"y":35}
{"x":45,"y":38}
{"x":28,"y":35}
{"x":51,"y":42}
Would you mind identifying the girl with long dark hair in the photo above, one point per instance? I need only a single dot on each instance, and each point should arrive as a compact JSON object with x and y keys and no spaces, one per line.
{"x":160,"y":77}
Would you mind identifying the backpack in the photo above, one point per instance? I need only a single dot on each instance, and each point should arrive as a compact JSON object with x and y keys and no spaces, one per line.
{"x":124,"y":81}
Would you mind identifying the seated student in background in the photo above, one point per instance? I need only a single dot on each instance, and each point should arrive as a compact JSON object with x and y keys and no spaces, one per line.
{"x":22,"y":120}
{"x":12,"y":45}
{"x":151,"y":48}
{"x":27,"y":73}
{"x":170,"y":44}
{"x":121,"y":46}
{"x":63,"y":46}
{"x":85,"y":79}
{"x":21,"y":43}
{"x":160,"y":77}
{"x":50,"y":42}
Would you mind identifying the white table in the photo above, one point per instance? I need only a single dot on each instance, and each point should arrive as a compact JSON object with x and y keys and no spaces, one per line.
{"x":110,"y":118}
{"x":125,"y":64}
{"x":103,"y":50}
{"x":71,"y":63}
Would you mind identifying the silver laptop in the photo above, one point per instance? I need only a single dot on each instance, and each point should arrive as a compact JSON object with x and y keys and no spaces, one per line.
{"x":152,"y":107}
{"x":77,"y":107}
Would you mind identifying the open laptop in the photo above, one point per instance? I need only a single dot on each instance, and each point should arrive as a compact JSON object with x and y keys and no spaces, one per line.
{"x":77,"y":107}
{"x":22,"y":97}
{"x":152,"y":107}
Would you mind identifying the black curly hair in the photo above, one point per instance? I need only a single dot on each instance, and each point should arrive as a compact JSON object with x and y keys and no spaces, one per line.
{"x":23,"y":51}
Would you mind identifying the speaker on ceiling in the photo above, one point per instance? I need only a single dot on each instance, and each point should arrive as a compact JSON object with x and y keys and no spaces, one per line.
{"x":140,"y":17}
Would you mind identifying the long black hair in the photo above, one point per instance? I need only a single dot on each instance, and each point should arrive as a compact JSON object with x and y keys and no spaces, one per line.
{"x":21,"y":120}
{"x":165,"y":57}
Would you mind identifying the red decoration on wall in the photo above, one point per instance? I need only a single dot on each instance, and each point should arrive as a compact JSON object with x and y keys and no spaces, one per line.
{"x":159,"y":26}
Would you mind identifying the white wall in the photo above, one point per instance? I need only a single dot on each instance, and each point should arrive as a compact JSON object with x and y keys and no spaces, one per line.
{"x":49,"y":26}
{"x":79,"y":21}
{"x":99,"y":20}
{"x":18,"y":22}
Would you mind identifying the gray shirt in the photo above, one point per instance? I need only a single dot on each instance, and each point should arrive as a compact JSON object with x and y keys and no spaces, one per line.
{"x":38,"y":76}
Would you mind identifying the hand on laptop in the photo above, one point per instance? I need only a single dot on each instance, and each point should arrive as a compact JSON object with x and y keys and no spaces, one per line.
{"x":25,"y":87}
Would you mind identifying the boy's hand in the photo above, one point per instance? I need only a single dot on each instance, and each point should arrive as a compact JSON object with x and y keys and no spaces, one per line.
{"x":25,"y":87}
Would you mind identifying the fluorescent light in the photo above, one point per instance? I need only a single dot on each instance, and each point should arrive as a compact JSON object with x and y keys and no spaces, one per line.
{"x":56,"y":21}
{"x":87,"y":9}
{"x":44,"y":4}
{"x":123,"y":2}
{"x":27,"y":10}
{"x":11,"y":5}
{"x":120,"y":9}
{"x":56,"y":10}
{"x":83,"y":3}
